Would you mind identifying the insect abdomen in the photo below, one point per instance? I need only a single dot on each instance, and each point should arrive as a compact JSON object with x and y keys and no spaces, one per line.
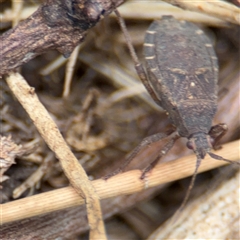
{"x":182,"y":60}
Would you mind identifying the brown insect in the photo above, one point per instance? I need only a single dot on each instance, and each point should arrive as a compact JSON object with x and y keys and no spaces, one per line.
{"x":182,"y":76}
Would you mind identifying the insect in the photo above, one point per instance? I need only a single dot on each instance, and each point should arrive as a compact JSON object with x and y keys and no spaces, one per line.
{"x":182,"y":76}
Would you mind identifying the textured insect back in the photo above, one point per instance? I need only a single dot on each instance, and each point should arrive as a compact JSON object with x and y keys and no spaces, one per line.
{"x":180,"y":49}
{"x":183,"y":72}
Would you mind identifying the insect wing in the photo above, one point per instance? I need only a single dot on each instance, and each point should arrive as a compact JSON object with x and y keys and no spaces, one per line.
{"x":181,"y":61}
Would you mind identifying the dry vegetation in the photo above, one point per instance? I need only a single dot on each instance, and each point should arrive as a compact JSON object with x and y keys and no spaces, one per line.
{"x":102,"y":111}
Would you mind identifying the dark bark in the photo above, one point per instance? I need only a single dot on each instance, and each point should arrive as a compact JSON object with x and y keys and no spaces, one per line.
{"x":57,"y":24}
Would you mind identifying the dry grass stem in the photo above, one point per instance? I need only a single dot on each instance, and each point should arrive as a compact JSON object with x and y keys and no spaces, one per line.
{"x":9,"y":14}
{"x":220,"y":9}
{"x":50,"y":133}
{"x":35,"y":178}
{"x":70,"y":70}
{"x":122,"y":184}
{"x":17,"y":7}
{"x":53,"y":65}
{"x":120,"y":77}
{"x":155,"y":10}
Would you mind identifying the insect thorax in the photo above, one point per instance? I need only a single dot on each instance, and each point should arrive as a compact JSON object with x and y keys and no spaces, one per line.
{"x":192,"y":116}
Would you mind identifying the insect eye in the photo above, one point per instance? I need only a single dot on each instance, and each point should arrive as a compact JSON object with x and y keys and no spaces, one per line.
{"x":212,"y":141}
{"x":190,"y":145}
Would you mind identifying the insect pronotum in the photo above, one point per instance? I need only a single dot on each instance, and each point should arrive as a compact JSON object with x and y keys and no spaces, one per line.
{"x":182,"y":76}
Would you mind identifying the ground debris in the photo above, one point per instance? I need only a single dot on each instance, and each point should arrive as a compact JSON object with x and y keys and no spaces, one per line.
{"x":8,"y":152}
{"x":104,"y":134}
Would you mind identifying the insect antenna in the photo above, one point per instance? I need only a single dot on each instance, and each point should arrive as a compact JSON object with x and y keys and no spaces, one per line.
{"x":127,"y":37}
{"x":138,"y":66}
{"x":199,"y":160}
{"x":179,"y":210}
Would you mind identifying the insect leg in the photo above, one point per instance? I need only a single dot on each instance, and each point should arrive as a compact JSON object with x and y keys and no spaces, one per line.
{"x":216,"y":133}
{"x":178,"y":212}
{"x":138,"y":66}
{"x":163,"y":152}
{"x":217,"y":157}
{"x":144,"y":143}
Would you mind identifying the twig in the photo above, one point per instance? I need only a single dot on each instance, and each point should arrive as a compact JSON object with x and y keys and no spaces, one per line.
{"x":34,"y":179}
{"x":57,"y":24}
{"x":122,"y":184}
{"x":50,"y":133}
